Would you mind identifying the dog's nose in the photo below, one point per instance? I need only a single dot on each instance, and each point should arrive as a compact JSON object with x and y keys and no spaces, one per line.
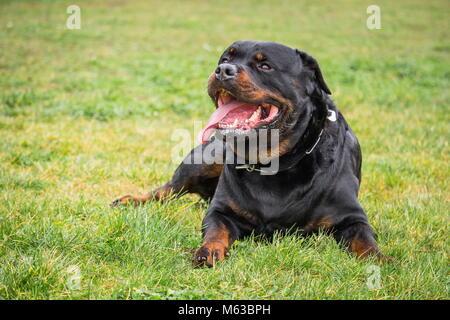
{"x":226,"y":71}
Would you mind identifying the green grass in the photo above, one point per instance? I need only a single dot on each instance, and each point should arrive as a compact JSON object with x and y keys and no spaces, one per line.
{"x":87,"y":115}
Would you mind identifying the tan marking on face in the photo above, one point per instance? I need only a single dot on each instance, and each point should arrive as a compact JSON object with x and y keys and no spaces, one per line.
{"x":252,"y":91}
{"x":232,"y":50}
{"x":259,"y":57}
{"x":248,"y":89}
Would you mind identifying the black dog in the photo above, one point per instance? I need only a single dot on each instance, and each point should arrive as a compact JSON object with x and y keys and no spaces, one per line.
{"x":265,"y":85}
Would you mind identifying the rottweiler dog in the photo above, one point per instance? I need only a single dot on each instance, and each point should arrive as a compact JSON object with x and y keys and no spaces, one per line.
{"x":265,"y":85}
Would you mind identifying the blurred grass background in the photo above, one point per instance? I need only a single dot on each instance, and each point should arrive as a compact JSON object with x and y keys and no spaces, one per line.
{"x":87,"y":115}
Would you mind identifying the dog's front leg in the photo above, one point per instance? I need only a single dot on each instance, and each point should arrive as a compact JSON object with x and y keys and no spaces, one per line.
{"x":160,"y":193}
{"x":200,"y":178}
{"x":217,"y":239}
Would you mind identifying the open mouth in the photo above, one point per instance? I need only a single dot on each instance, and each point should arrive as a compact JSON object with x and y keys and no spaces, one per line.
{"x":237,"y":116}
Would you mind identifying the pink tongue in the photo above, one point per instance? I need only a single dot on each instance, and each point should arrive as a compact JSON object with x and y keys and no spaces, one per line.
{"x":215,"y":118}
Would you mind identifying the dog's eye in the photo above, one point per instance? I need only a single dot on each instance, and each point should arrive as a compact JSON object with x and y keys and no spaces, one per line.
{"x":224,"y":60}
{"x":264,"y":66}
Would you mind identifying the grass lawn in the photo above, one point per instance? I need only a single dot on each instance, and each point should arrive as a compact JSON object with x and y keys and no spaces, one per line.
{"x":88,"y":115}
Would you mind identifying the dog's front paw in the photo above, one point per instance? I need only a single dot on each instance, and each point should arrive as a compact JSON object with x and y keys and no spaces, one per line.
{"x":209,"y":254}
{"x":124,"y":201}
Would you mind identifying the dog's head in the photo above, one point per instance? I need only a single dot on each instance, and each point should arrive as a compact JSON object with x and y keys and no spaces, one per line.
{"x":262,"y":85}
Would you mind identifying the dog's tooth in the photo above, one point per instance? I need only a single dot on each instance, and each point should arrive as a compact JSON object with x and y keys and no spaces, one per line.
{"x":255,"y":114}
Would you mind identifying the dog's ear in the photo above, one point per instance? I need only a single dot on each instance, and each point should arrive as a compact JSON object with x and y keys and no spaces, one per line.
{"x":312,"y":64}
